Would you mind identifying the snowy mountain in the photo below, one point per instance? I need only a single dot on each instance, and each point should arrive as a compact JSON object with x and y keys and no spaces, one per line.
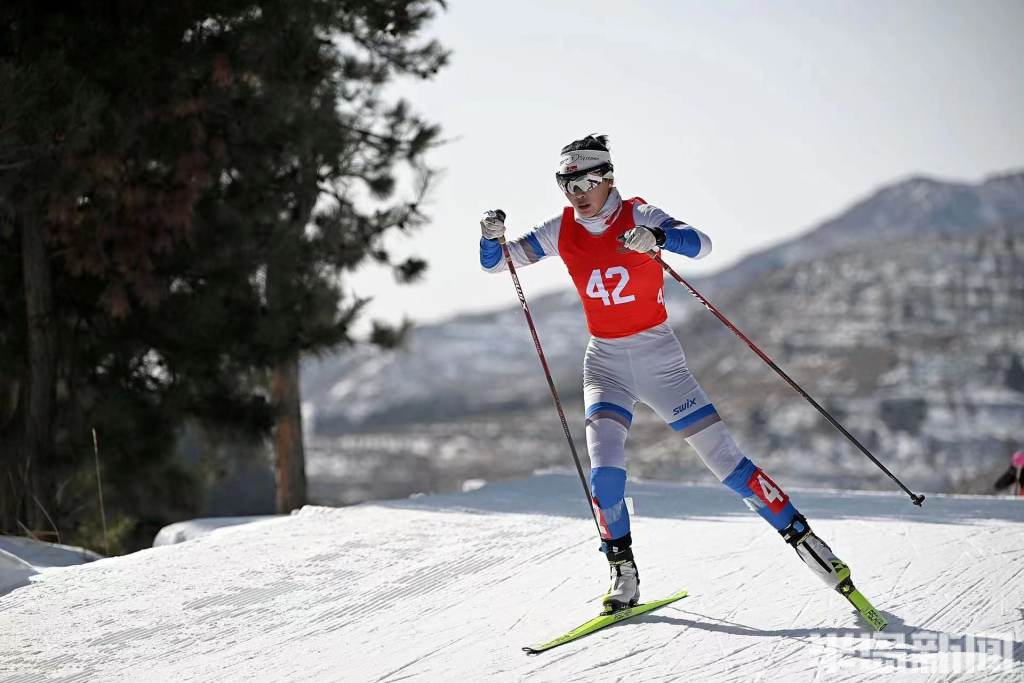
{"x":451,"y":587}
{"x":916,"y":346}
{"x":486,"y":362}
{"x":918,"y":206}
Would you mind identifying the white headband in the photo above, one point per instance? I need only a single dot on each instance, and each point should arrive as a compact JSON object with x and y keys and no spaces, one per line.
{"x":582,"y":159}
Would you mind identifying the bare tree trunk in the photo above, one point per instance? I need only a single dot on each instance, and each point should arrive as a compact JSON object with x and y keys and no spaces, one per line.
{"x":11,"y":433}
{"x":40,"y":389}
{"x":290,"y":458}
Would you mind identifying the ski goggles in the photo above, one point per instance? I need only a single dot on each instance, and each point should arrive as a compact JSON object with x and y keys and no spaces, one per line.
{"x":584,"y":181}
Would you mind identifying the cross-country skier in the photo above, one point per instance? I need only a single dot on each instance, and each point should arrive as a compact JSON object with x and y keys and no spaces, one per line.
{"x":634,"y":355}
{"x":1014,"y":476}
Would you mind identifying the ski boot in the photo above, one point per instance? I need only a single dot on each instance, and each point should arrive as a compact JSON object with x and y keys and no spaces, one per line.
{"x":816,"y":554}
{"x":624,"y":591}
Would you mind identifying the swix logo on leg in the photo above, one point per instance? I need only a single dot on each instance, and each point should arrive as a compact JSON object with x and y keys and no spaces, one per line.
{"x":768,"y":491}
{"x":602,"y":524}
{"x":690,"y":402}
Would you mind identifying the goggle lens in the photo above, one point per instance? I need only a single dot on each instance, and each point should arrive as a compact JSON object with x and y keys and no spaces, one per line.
{"x":579,"y":184}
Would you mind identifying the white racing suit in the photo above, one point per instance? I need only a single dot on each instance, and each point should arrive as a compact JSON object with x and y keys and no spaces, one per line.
{"x":650,"y":367}
{"x":647,"y":366}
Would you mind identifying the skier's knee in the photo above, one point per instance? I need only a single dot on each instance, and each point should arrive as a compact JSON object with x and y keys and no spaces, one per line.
{"x":611,"y":411}
{"x":606,"y":438}
{"x":716,"y":448}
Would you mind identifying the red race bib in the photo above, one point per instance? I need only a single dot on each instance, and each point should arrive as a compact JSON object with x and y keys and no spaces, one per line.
{"x":622,"y":291}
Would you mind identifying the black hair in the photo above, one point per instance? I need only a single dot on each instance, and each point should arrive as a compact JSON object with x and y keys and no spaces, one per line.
{"x":594,"y":142}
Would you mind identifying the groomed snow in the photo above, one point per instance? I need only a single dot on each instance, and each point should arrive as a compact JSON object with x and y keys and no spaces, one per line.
{"x":449,"y":588}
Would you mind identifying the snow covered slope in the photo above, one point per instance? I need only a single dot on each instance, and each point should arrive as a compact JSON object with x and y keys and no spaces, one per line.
{"x":450,"y":587}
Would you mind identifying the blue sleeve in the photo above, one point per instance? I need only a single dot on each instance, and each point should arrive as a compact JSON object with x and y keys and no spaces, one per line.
{"x":534,"y":242}
{"x":490,"y":252}
{"x":685,"y":241}
{"x":523,"y":251}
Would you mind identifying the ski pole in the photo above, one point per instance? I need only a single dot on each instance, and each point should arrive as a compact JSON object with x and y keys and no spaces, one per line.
{"x":918,"y":499}
{"x":547,"y":373}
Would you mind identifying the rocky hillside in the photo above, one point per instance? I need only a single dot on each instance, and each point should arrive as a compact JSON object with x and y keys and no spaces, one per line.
{"x":915,"y":344}
{"x":918,"y":206}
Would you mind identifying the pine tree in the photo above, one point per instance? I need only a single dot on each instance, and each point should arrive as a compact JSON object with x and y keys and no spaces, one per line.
{"x":199,"y":176}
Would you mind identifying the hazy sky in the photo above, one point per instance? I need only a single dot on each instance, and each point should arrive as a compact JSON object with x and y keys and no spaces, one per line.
{"x":751,"y":120}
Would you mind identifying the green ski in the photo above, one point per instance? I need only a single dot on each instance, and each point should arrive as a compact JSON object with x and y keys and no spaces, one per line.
{"x":601,"y":621}
{"x":862,"y":605}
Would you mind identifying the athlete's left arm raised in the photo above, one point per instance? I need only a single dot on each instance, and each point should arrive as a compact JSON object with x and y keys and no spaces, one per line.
{"x":674,"y":235}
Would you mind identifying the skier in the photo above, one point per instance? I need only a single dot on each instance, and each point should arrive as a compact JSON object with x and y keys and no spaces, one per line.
{"x":634,"y":355}
{"x":1014,"y":476}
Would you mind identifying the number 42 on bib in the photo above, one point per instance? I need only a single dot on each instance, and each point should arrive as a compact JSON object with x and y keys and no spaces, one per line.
{"x":597,"y":290}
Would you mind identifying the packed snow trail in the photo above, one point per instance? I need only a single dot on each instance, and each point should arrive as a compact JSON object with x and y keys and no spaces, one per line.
{"x":451,"y":587}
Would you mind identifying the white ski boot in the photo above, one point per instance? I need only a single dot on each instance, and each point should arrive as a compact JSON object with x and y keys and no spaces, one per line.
{"x":823,"y":562}
{"x":624,"y":590}
{"x":815,"y":553}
